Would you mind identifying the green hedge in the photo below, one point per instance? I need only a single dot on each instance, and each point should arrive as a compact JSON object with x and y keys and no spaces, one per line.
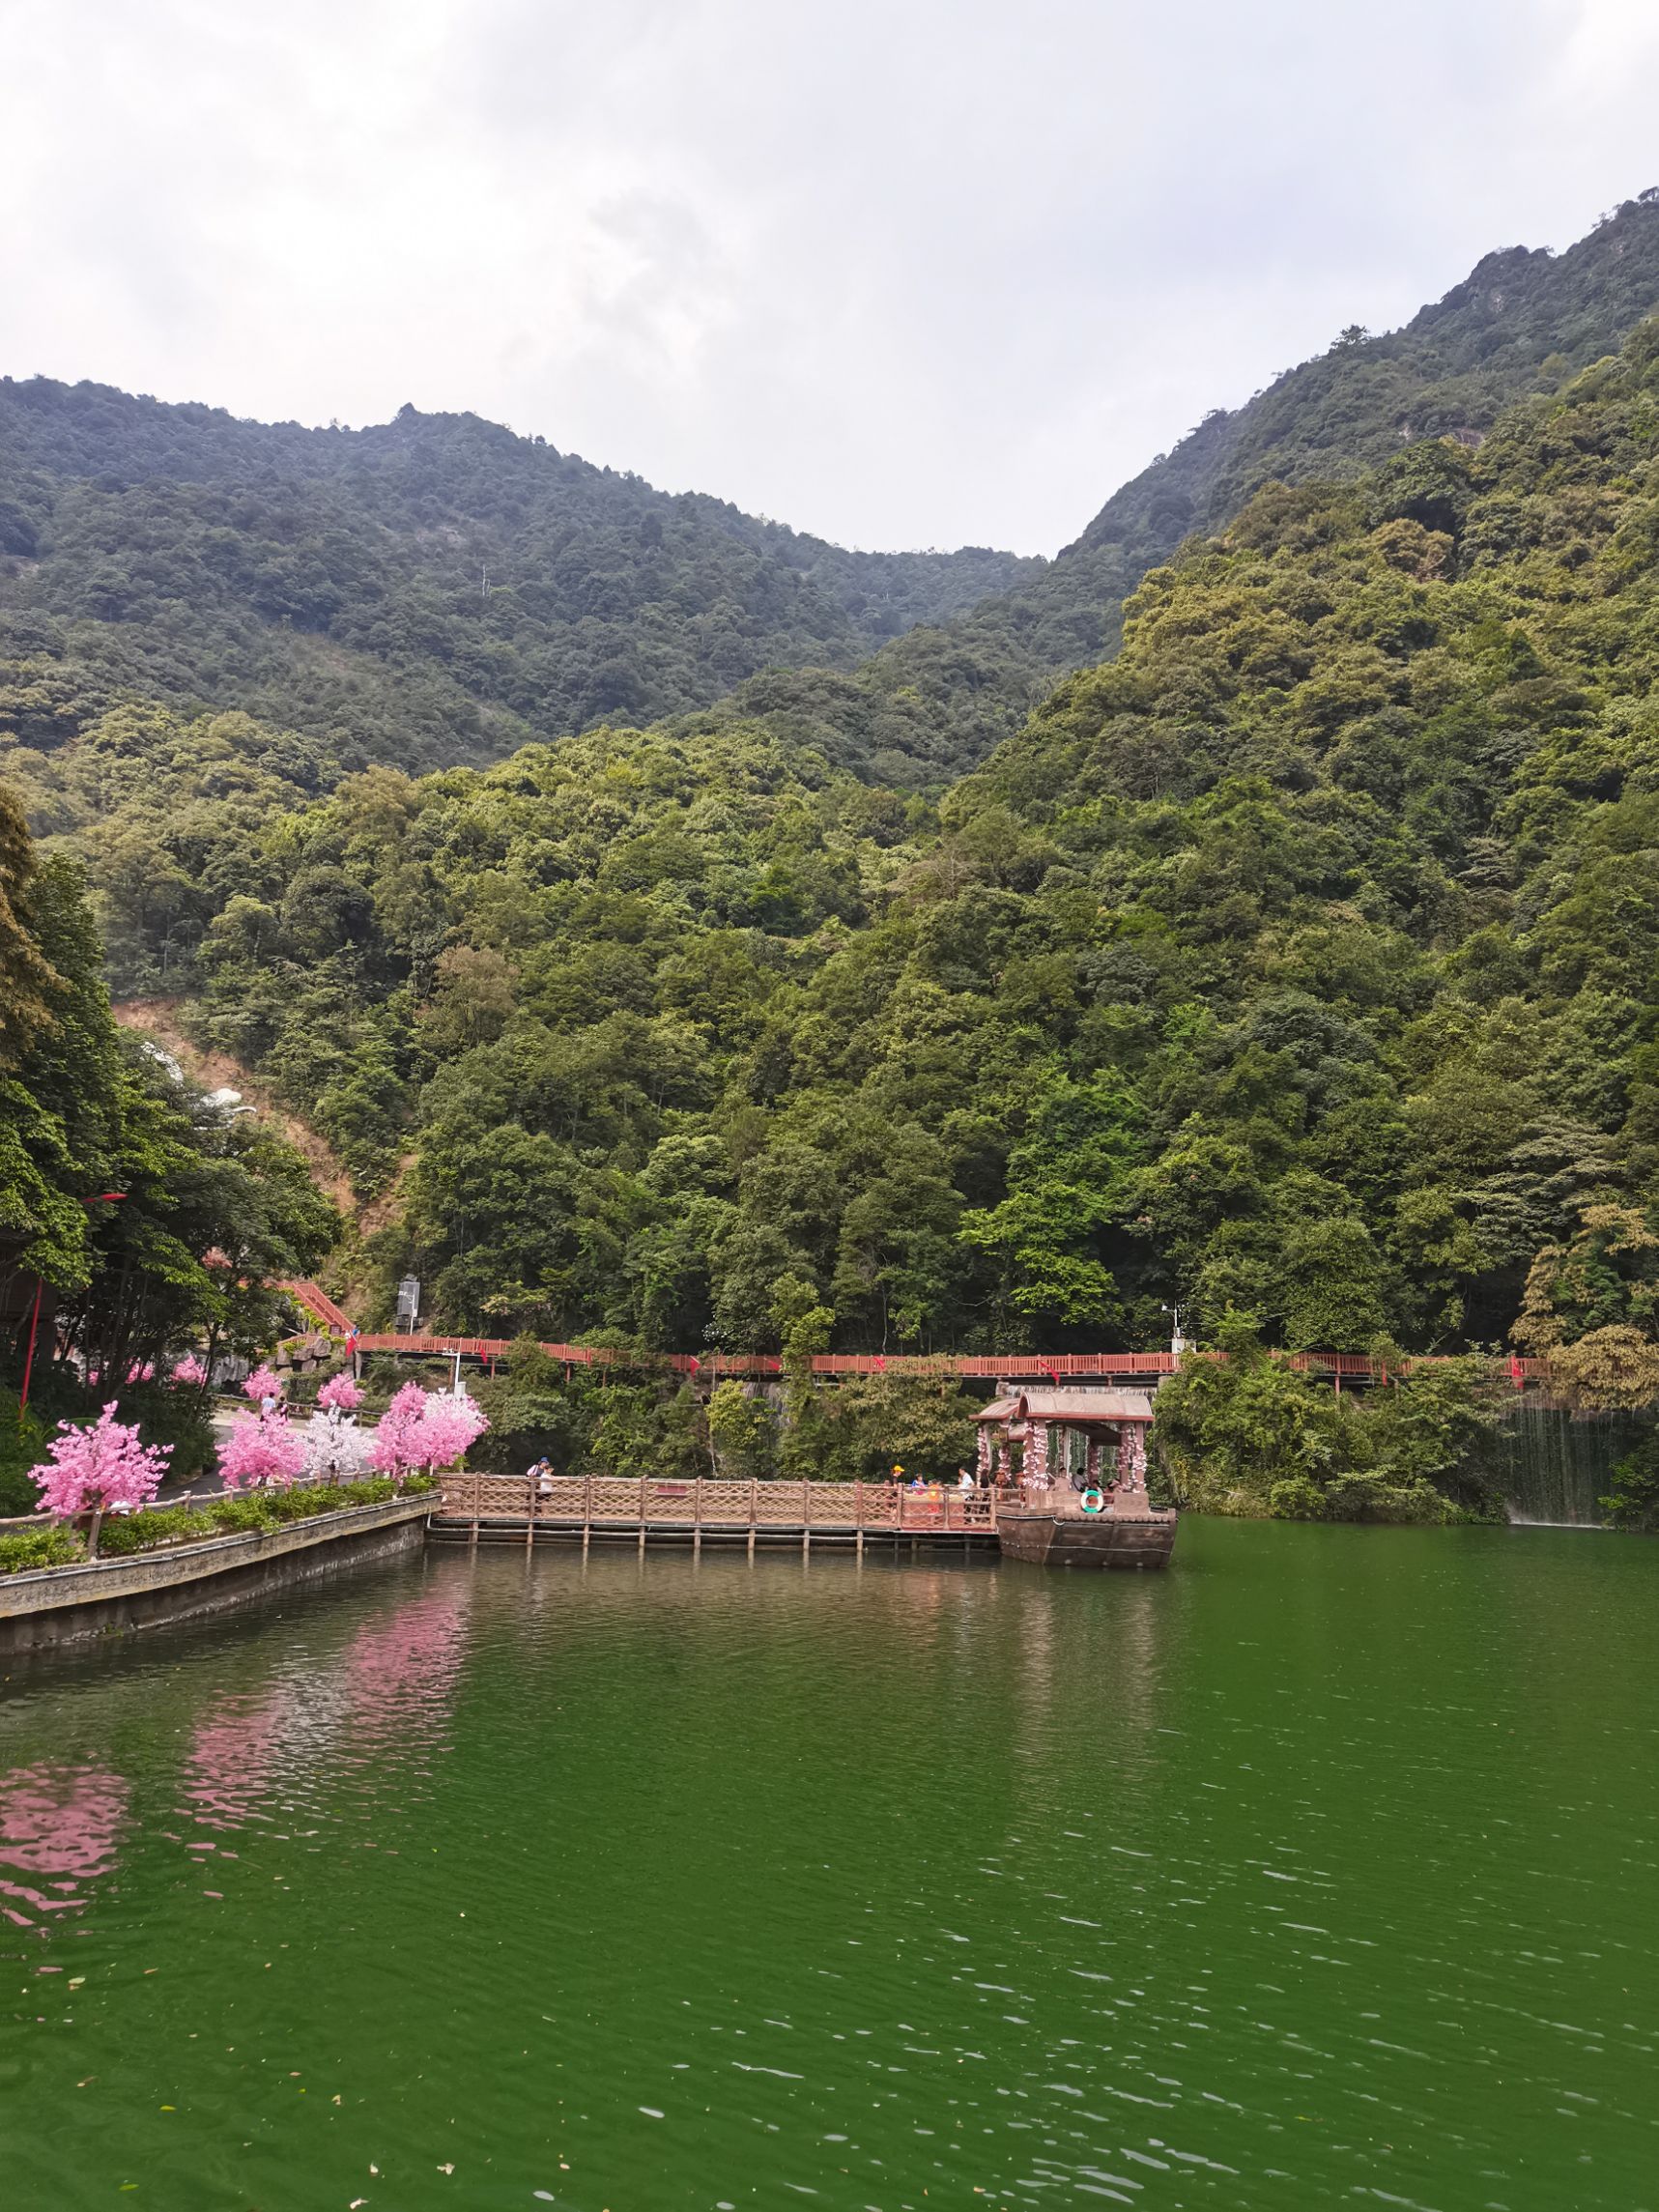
{"x":38,"y":1548}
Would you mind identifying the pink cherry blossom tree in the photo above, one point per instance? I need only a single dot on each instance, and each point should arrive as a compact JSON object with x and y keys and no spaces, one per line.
{"x":260,"y":1450}
{"x":424,"y":1429}
{"x":447,"y":1426}
{"x":89,"y":1470}
{"x":263,"y":1383}
{"x":189,"y":1372}
{"x":340,"y":1392}
{"x":395,"y":1451}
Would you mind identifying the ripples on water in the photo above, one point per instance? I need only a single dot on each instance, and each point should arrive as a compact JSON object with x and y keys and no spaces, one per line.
{"x":1320,"y":1869}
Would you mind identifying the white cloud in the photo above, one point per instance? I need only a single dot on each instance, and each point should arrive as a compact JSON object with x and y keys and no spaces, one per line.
{"x":902,"y":271}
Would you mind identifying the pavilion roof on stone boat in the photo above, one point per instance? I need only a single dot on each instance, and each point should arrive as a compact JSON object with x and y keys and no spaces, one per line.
{"x":1076,"y":1409}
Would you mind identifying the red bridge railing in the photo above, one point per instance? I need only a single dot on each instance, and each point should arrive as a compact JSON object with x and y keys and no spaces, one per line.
{"x":975,"y":1367}
{"x":972,"y":1366}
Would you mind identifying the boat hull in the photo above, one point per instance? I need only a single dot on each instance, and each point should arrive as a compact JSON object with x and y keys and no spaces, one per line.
{"x":1087,"y":1539}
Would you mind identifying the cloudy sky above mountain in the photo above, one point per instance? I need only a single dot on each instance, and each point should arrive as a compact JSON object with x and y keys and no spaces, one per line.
{"x":902,"y":272}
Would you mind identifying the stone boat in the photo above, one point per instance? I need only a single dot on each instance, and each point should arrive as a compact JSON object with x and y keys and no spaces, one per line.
{"x":1070,"y":1471}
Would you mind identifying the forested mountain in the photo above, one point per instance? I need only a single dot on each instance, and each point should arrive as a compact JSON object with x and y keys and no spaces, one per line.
{"x":1302,"y":960}
{"x":932,"y":703}
{"x":426,"y":592}
{"x":1297,"y":960}
{"x":434,"y":590}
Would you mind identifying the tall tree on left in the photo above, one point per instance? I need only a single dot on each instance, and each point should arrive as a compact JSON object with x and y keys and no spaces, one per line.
{"x":213,"y":1211}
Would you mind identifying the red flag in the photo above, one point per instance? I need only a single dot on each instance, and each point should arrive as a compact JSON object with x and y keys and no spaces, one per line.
{"x":881,"y":1362}
{"x":1053,"y":1377}
{"x":695,"y":1363}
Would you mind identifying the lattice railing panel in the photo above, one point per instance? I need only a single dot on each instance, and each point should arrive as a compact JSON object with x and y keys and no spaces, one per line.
{"x":725,"y":1502}
{"x":565,"y":1499}
{"x":613,"y":1498}
{"x":778,"y":1505}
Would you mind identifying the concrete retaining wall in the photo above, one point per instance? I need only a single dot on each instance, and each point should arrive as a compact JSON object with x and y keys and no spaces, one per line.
{"x":100,"y":1597}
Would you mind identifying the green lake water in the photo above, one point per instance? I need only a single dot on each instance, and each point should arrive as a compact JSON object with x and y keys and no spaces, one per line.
{"x":1321,"y":1869}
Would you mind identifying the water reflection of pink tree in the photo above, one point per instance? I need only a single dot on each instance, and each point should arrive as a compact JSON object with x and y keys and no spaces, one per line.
{"x":402,"y":1671}
{"x":228,"y":1771}
{"x":58,"y":1832}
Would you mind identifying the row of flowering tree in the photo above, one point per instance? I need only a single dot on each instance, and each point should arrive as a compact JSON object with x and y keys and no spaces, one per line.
{"x":418,"y":1431}
{"x":105,"y":1466}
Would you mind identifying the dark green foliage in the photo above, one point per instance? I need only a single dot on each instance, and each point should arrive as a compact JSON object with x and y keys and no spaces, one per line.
{"x":23,"y":1441}
{"x":121,"y":1534}
{"x":633,"y":1419}
{"x":1250,"y":1435}
{"x":640,"y":1420}
{"x":429,"y":591}
{"x":151,"y":1222}
{"x":1634,"y":1502}
{"x":1301,"y":959}
{"x":873,"y":1423}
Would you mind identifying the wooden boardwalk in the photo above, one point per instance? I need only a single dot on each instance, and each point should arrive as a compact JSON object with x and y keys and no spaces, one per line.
{"x":702,"y":1510}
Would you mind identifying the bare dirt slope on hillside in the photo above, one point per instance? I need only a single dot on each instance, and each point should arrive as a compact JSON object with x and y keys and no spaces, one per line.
{"x":157,"y":1019}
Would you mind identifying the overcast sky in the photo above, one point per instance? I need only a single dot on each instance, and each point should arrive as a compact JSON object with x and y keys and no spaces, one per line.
{"x":900,"y":272}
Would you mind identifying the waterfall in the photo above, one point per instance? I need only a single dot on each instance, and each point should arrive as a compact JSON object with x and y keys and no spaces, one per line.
{"x":1556,"y":1465}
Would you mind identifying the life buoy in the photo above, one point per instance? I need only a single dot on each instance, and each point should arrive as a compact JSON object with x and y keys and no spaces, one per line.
{"x":1094,"y":1502}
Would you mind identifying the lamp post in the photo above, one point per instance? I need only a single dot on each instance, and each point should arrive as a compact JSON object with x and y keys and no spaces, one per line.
{"x":103,"y":1198}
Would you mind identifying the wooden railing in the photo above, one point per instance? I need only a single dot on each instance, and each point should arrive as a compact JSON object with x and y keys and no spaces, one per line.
{"x":608,"y":1502}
